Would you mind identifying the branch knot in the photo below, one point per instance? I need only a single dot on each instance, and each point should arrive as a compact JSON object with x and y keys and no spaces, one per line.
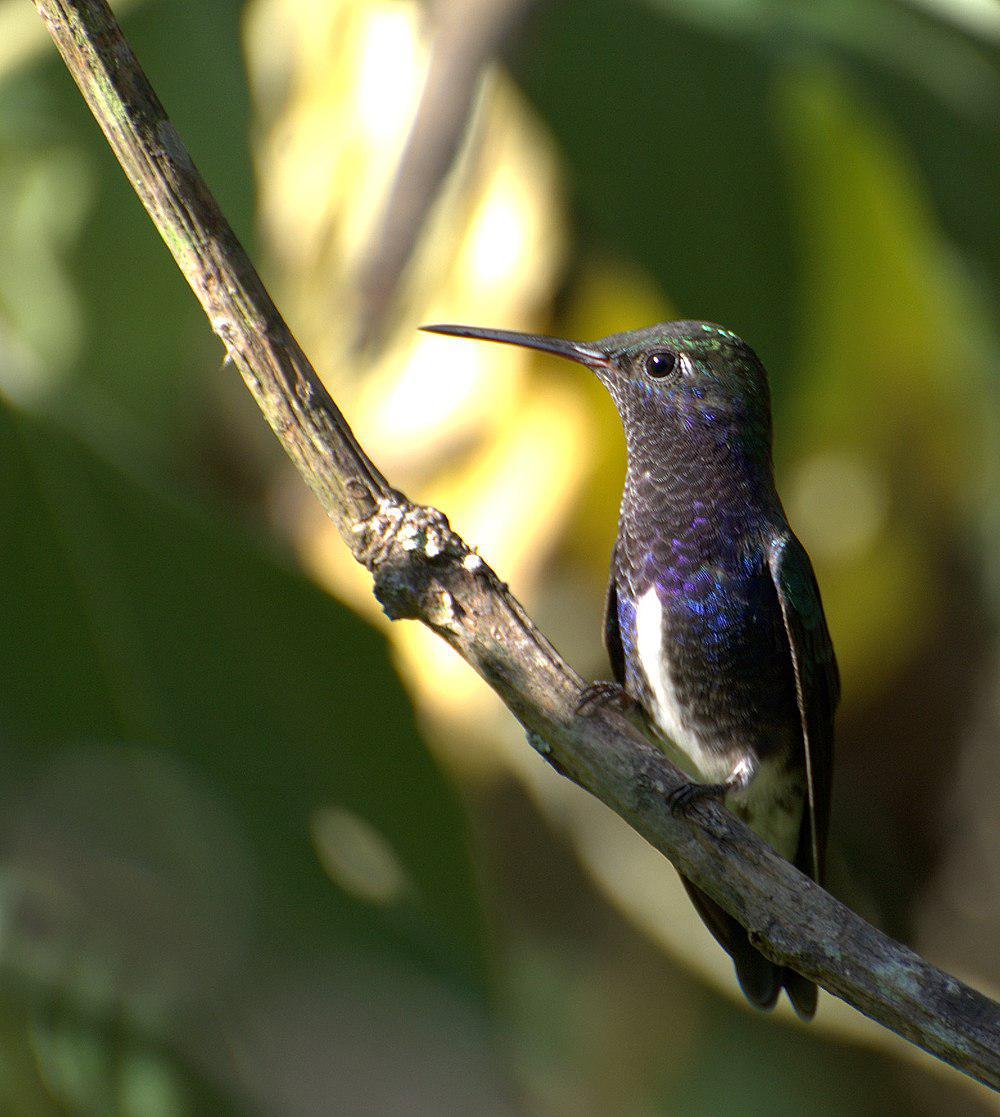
{"x":408,"y":547}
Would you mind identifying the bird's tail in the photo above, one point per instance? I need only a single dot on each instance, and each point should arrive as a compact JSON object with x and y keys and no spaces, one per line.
{"x":760,"y":979}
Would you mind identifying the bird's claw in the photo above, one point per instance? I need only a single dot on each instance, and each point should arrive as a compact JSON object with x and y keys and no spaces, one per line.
{"x":682,"y":797}
{"x":603,"y":695}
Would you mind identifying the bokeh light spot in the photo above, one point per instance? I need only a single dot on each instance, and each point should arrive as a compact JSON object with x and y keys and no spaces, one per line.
{"x":389,"y":72}
{"x":838,"y":503}
{"x":357,"y":857}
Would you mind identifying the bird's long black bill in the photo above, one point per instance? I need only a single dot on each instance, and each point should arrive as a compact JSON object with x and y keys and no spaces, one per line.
{"x":574,"y":350}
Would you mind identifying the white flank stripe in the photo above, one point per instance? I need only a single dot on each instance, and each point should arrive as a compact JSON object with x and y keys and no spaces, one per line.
{"x":651,"y":648}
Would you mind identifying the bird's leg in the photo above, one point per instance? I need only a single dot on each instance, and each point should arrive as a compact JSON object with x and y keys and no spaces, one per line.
{"x":682,"y":797}
{"x":604,"y":694}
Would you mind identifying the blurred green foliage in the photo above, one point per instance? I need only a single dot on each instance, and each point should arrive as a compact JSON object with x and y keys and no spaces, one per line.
{"x":231,"y":877}
{"x":94,"y":340}
{"x":178,"y":710}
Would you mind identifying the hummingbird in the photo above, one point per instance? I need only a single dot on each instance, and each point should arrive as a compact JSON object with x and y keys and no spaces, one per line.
{"x":713,"y":623}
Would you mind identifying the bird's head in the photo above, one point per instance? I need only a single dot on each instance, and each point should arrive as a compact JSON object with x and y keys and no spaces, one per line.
{"x":673,"y":379}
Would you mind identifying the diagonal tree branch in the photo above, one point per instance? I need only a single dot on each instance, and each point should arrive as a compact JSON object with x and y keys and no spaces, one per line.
{"x":423,"y":570}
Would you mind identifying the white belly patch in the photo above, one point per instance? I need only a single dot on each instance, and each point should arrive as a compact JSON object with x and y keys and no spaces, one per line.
{"x":651,"y":649}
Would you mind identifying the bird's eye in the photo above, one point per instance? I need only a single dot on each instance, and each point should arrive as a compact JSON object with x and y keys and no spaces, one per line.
{"x":660,"y":364}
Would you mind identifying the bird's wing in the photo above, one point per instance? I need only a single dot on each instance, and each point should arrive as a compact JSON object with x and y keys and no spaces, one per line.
{"x":817,"y":687}
{"x":612,"y":631}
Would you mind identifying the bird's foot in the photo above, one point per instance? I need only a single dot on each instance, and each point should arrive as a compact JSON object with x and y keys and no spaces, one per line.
{"x":604,"y":695}
{"x":682,"y":797}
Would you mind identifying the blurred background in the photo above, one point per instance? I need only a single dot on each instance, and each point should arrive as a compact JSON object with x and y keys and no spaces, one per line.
{"x":260,"y":852}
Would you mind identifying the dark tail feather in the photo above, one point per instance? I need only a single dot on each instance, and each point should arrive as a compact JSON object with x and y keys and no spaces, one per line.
{"x":760,"y":978}
{"x":801,"y":992}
